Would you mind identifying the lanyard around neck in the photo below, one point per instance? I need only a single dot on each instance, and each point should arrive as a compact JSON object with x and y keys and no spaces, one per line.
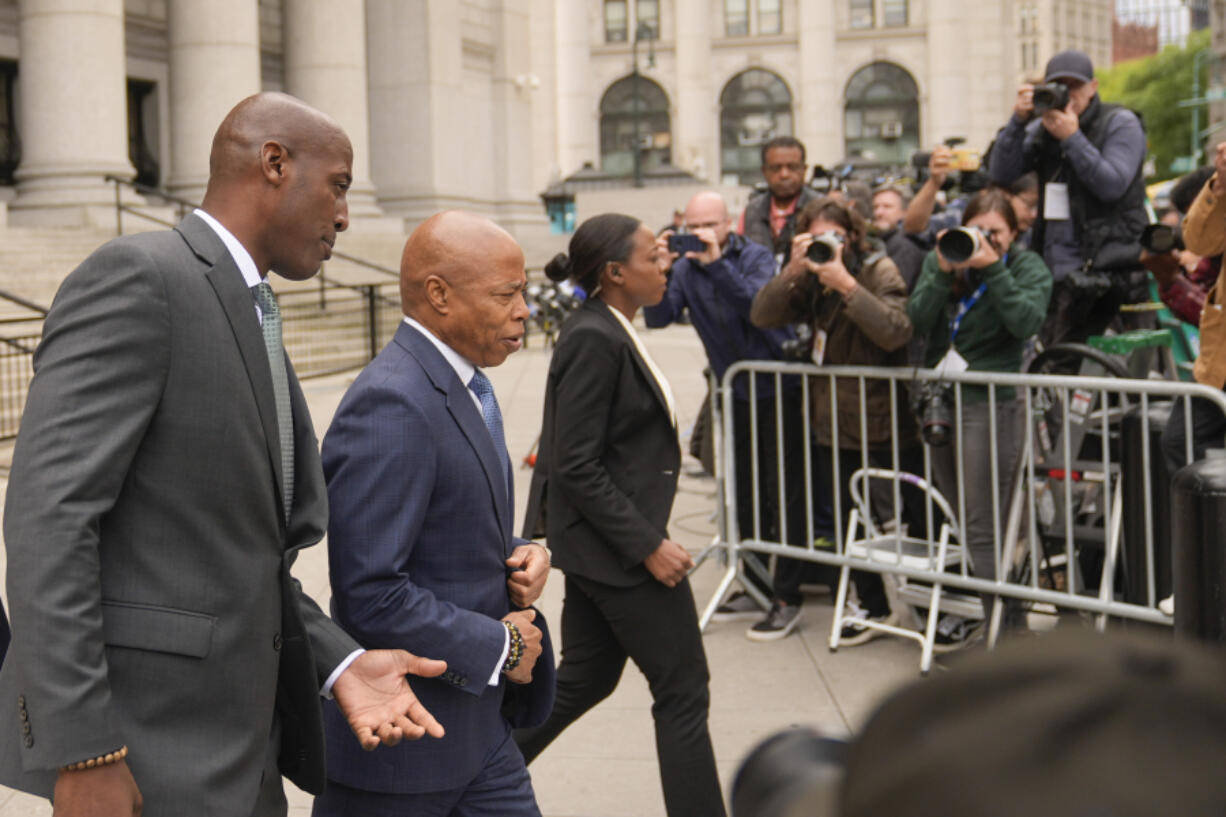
{"x":968,"y":302}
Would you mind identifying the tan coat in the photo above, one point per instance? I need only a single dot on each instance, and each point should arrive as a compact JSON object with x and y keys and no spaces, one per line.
{"x":1204,"y":233}
{"x":869,"y":327}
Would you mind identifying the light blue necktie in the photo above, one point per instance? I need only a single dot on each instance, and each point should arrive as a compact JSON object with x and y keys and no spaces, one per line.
{"x":484,"y":389}
{"x":280,"y":387}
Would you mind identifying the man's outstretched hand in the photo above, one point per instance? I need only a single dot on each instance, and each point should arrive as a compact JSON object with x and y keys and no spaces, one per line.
{"x":375,"y":697}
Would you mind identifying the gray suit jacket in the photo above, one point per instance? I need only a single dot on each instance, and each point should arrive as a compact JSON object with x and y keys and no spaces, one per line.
{"x":148,"y":556}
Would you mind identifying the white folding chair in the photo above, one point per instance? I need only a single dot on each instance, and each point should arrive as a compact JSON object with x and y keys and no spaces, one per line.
{"x":865,"y":541}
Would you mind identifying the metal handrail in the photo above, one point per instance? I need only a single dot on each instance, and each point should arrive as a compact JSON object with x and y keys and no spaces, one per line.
{"x":22,"y":302}
{"x":185,"y":205}
{"x":39,"y":311}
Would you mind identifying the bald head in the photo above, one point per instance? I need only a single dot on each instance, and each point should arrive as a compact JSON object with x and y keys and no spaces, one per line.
{"x":708,"y":201}
{"x":279,"y":173}
{"x":462,"y":277}
{"x":709,"y":211}
{"x":261,"y":118}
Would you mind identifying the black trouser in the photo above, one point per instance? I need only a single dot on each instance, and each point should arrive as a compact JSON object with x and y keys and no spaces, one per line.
{"x":657,"y":628}
{"x":1075,"y":313}
{"x":788,"y":572}
{"x":1208,"y":431}
{"x":869,"y":586}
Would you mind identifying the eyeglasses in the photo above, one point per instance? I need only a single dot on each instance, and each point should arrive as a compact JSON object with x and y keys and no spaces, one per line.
{"x":795,"y":167}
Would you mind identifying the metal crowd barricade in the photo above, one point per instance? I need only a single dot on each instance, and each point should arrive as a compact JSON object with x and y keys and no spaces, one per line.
{"x":1057,"y":535}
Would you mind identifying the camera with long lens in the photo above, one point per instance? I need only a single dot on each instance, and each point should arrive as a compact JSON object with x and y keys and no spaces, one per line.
{"x":934,"y":406}
{"x":824,"y":247}
{"x":960,"y":244}
{"x":799,"y":348}
{"x":1160,"y":239}
{"x":1050,"y":96}
{"x":794,"y":773}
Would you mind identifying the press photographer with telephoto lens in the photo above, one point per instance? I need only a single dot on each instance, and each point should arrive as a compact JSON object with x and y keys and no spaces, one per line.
{"x":978,"y":299}
{"x":855,"y":301}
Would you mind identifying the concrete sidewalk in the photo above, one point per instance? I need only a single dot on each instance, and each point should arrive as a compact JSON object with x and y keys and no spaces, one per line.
{"x":605,"y":765}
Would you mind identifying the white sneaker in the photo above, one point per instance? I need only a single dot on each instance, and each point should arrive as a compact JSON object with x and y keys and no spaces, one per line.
{"x":855,"y":632}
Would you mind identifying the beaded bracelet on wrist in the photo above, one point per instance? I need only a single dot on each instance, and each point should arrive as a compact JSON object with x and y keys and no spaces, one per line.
{"x":102,"y":760}
{"x":516,"y":650}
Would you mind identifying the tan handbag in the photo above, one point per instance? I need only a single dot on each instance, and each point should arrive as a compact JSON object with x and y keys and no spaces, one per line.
{"x":1210,"y":366}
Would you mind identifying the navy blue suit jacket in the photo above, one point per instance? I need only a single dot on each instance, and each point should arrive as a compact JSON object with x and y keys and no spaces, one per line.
{"x":419,"y":535}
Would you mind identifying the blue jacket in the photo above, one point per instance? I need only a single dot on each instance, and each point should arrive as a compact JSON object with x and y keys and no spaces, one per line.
{"x":719,"y":296}
{"x":419,"y":532}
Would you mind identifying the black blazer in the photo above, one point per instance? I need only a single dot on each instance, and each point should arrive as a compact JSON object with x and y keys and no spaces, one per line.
{"x":607,"y":466}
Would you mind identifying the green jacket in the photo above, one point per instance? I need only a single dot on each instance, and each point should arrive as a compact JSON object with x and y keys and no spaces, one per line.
{"x":994,"y":331}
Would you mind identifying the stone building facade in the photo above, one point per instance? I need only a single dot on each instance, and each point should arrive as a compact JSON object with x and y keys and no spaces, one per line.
{"x":879,"y":78}
{"x":135,"y":89}
{"x":482,"y":104}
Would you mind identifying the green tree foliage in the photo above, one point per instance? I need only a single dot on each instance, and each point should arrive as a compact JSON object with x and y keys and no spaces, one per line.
{"x":1154,"y":86}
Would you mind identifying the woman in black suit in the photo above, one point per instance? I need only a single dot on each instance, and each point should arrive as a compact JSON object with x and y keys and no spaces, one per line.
{"x":604,"y":482}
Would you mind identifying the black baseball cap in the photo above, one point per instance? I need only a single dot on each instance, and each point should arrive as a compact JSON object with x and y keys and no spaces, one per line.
{"x":1070,"y":64}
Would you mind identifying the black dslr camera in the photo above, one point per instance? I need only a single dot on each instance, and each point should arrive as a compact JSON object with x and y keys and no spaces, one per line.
{"x":800,"y":348}
{"x":1050,"y":96}
{"x":1160,"y":239}
{"x":824,"y":247}
{"x":933,"y":403}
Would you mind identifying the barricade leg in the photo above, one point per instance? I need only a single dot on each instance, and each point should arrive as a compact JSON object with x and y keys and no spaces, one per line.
{"x":840,"y":598}
{"x":934,"y":605}
{"x":1013,"y":526}
{"x":1106,"y":588}
{"x":717,"y":598}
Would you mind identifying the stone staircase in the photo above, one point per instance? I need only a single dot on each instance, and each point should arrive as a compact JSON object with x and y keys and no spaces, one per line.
{"x":327,"y":317}
{"x":33,"y":262}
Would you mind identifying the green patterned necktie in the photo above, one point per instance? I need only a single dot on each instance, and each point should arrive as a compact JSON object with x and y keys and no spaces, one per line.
{"x":280,"y":387}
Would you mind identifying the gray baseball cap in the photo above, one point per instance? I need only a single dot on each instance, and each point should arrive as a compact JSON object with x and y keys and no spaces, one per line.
{"x":1070,"y":64}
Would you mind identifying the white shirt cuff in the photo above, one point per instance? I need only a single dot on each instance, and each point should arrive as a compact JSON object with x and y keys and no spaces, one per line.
{"x":336,"y":673}
{"x":506,"y":648}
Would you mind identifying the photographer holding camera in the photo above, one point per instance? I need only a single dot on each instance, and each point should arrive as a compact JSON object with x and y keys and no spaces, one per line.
{"x":717,"y":280}
{"x":855,"y":300}
{"x":1089,"y":156}
{"x":1184,"y":277}
{"x":1204,"y":233}
{"x":977,"y":301}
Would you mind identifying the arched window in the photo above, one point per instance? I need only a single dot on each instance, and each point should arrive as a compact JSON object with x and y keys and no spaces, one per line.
{"x":623,"y":105}
{"x":882,"y":114}
{"x":755,"y":107}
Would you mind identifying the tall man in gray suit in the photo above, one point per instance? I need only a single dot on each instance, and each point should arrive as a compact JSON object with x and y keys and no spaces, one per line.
{"x":164,"y":478}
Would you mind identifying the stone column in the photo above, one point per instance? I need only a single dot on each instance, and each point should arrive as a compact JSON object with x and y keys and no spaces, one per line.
{"x":819,"y":105}
{"x":214,"y":64}
{"x":513,"y":87}
{"x":417,"y":106}
{"x":577,"y":100}
{"x":325,"y":66}
{"x":73,"y":105}
{"x":944,"y":111}
{"x":696,"y":106}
